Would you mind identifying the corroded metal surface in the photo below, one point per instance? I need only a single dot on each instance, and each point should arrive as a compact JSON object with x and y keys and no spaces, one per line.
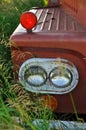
{"x":76,"y":8}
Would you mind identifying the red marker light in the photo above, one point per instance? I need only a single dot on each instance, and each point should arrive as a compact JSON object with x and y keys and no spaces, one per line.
{"x":28,"y":20}
{"x":50,"y":102}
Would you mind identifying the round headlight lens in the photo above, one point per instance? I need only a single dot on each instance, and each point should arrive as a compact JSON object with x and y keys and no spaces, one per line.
{"x":35,"y":76}
{"x":60,"y":78}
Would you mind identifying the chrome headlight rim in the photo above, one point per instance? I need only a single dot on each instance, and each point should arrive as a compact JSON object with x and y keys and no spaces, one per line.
{"x":48,"y":64}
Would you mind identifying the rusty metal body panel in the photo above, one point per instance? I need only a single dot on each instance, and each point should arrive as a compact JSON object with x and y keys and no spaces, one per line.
{"x":77,"y":8}
{"x":57,"y":34}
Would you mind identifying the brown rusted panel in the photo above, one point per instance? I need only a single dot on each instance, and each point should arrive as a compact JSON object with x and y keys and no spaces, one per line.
{"x":57,"y":34}
{"x":81,"y":15}
{"x":77,"y":8}
{"x":72,"y":5}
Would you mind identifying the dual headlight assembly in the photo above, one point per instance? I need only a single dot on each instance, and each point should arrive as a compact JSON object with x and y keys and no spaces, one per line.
{"x":43,"y":75}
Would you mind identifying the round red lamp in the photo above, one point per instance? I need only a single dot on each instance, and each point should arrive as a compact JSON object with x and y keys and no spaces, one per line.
{"x":28,"y":20}
{"x":50,"y":102}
